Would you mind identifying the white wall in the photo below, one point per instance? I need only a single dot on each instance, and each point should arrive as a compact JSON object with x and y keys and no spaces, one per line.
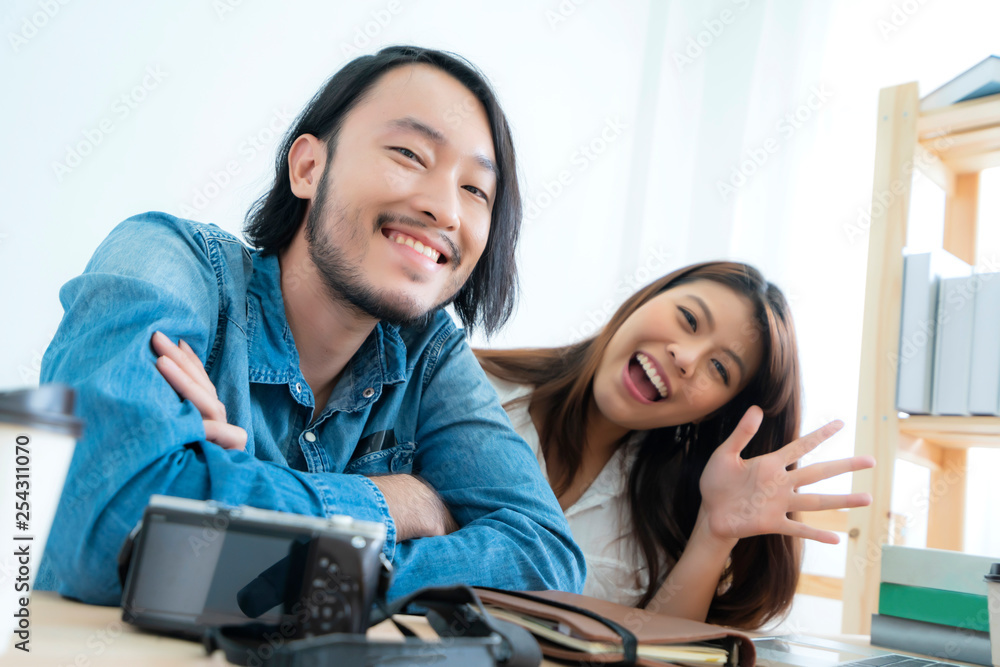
{"x":229,"y":73}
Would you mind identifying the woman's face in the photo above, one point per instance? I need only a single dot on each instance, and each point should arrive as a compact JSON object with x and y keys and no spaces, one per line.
{"x":682,"y":355}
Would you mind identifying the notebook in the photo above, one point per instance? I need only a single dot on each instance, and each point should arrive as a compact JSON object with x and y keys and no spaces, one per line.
{"x":585,"y":629}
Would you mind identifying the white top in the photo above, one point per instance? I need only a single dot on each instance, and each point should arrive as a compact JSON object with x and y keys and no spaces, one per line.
{"x":599,"y":520}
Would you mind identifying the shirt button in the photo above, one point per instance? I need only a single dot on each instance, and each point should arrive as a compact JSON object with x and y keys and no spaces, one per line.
{"x":298,"y":387}
{"x":310,"y":436}
{"x":368,"y":393}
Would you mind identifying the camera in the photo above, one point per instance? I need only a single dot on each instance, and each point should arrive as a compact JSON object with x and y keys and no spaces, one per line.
{"x":192,"y":564}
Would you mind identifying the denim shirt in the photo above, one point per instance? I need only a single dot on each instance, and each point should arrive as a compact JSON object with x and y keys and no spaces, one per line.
{"x":198,"y":283}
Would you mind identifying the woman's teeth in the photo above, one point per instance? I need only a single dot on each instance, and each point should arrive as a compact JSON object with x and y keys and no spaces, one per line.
{"x":424,"y":250}
{"x":651,"y":373}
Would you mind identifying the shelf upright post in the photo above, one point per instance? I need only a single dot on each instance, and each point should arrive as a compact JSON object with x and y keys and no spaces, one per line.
{"x":946,"y":511}
{"x":877,"y":422}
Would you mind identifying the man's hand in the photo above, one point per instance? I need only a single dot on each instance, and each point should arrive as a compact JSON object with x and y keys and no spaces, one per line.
{"x":182,"y":369}
{"x":745,"y":497}
{"x":416,"y":508}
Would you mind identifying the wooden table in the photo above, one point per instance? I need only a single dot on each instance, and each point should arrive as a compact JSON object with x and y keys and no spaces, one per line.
{"x":71,"y":634}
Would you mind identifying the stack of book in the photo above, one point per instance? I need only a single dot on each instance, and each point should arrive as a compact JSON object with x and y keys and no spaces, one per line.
{"x":981,"y":80}
{"x":949,"y":350}
{"x":933,"y":601}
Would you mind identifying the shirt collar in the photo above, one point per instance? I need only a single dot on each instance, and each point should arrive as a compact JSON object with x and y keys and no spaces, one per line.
{"x":611,"y":483}
{"x":274,"y":359}
{"x":272,"y":356}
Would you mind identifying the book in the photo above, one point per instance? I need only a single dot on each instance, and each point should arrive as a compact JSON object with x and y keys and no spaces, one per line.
{"x":585,"y":629}
{"x":918,"y":326}
{"x":980,"y":80}
{"x":984,"y":379}
{"x":938,"y":641}
{"x":953,"y":346}
{"x":932,"y":605}
{"x":935,"y":568}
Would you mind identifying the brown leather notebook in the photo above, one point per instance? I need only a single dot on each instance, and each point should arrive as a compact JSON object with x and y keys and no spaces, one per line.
{"x":660,"y":640}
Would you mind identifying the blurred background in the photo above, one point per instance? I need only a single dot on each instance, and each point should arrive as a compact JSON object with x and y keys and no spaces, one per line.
{"x":650,"y":134}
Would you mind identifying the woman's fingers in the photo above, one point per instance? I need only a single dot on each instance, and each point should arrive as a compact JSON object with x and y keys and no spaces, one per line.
{"x":225,"y":435}
{"x":827,"y":469}
{"x":744,"y":431}
{"x":796,"y":449}
{"x":799,"y":529}
{"x":187,"y":388}
{"x":814,"y":502}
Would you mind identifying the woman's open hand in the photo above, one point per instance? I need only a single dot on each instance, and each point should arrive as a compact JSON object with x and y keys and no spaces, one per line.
{"x":745,"y":497}
{"x":183,"y":370}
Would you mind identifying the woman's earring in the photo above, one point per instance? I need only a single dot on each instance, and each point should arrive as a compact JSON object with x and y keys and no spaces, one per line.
{"x":682,"y":433}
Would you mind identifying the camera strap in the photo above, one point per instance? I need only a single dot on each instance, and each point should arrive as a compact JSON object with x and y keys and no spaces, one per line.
{"x":468,"y":637}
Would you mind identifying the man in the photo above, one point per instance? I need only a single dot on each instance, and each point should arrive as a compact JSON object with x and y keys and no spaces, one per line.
{"x":396,"y":193}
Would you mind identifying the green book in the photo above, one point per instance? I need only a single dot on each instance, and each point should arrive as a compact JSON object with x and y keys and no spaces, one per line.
{"x":958,"y":610}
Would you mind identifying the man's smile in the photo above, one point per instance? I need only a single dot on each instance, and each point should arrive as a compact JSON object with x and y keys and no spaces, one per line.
{"x":418,"y":243}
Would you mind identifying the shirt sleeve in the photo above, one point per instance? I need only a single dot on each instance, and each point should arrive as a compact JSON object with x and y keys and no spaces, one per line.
{"x":513,"y":533}
{"x":139,"y":437}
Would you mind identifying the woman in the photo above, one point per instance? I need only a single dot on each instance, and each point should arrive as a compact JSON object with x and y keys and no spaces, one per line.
{"x":640,"y":430}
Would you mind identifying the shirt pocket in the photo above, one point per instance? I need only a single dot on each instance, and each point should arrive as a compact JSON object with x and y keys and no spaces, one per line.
{"x":395,"y":460}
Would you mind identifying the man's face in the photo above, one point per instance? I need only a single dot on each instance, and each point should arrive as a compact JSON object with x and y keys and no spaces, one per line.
{"x":402,"y":213}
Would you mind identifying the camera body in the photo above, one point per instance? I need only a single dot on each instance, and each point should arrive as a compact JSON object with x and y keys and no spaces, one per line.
{"x":194,"y":564}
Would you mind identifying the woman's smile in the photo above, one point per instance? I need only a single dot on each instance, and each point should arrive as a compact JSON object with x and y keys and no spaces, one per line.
{"x":647,"y":378}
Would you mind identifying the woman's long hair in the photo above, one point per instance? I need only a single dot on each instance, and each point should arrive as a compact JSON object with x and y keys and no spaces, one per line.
{"x":663,"y":483}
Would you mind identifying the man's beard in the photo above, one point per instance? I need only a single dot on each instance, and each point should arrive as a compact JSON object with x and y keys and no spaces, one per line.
{"x":346,"y":283}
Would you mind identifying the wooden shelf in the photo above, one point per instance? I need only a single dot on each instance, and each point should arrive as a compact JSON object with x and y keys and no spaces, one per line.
{"x":951,"y":146}
{"x":958,"y":118}
{"x":965,"y":136}
{"x":953,"y":432}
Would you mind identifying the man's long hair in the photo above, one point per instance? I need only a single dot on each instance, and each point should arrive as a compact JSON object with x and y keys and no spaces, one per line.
{"x":489,"y":295}
{"x":663,"y":482}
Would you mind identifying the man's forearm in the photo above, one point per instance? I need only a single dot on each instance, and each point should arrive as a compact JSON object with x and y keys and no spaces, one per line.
{"x":416,"y":508}
{"x":504,"y":550}
{"x":90,"y":530}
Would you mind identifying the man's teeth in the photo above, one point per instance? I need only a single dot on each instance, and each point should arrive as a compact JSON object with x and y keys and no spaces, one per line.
{"x":651,"y":373}
{"x":425,"y":250}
